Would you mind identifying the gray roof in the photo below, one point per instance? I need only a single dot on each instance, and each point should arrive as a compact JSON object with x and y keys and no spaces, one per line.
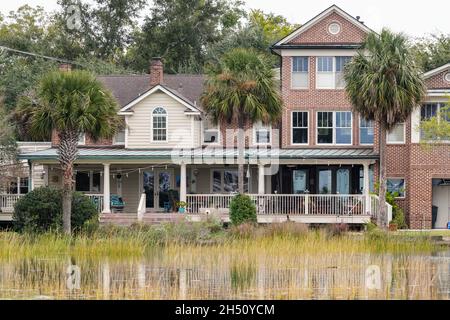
{"x":127,"y":88}
{"x":110,"y":153}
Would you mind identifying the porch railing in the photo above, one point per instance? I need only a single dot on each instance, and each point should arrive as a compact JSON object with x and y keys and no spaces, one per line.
{"x":7,"y":202}
{"x":283,"y":204}
{"x":97,"y":199}
{"x":375,"y":207}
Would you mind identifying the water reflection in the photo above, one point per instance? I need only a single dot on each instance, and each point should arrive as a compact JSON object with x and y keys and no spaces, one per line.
{"x":161,"y":276}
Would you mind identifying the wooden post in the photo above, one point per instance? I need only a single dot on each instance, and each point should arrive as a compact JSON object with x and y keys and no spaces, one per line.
{"x":106,"y":189}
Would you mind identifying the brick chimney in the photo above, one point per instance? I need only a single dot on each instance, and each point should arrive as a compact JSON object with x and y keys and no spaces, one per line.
{"x":156,"y":71}
{"x":65,"y":67}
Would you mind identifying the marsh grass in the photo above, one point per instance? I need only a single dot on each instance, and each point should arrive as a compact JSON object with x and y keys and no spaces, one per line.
{"x":135,"y":241}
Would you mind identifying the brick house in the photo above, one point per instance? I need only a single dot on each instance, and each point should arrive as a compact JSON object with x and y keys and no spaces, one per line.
{"x":318,"y":165}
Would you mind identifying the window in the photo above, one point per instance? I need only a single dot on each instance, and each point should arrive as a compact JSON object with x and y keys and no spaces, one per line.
{"x":431,"y":110}
{"x":82,"y":139}
{"x":325,"y":181}
{"x":211,"y":132}
{"x":396,"y":186}
{"x":300,"y":127}
{"x":300,"y":73}
{"x":119,"y":138}
{"x":371,"y":179}
{"x":397,"y":134}
{"x":334,"y":127}
{"x":226,"y":181}
{"x":87,"y":181}
{"x":366,"y":131}
{"x":159,"y":124}
{"x":262,"y":134}
{"x":330,"y":72}
{"x":343,"y":181}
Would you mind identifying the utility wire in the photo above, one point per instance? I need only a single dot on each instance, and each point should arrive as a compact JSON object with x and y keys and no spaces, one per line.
{"x":39,"y":55}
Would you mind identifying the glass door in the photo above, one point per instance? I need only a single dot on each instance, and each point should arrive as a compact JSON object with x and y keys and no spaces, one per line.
{"x":149,"y":189}
{"x":325,"y":181}
{"x":343,"y":181}
{"x":299,"y":178}
{"x":164,"y":185}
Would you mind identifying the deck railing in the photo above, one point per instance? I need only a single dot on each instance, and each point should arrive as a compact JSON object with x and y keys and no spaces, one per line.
{"x":97,"y":199}
{"x":283,"y":204}
{"x":375,"y":207}
{"x":7,"y":202}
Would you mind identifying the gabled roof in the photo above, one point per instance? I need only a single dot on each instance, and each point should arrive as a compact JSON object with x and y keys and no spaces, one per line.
{"x":170,"y":92}
{"x":436,"y":71}
{"x":320,"y":16}
{"x":127,"y":88}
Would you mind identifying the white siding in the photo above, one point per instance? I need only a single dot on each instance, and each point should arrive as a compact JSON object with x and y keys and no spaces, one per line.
{"x":140,"y":124}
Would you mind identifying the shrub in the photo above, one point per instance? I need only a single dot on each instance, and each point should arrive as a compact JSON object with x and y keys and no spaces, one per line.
{"x":242,"y":210}
{"x":337,"y":229}
{"x":41,"y":210}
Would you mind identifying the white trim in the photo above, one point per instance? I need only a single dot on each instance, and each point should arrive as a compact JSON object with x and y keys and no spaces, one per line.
{"x":167,"y":126}
{"x":359,"y":133}
{"x":319,"y":17}
{"x":433,"y":72}
{"x":318,"y":52}
{"x":203,"y":130}
{"x":127,"y":129}
{"x":150,"y":92}
{"x":404,"y":185}
{"x":397,"y":142}
{"x":260,"y":126}
{"x":292,"y":128}
{"x":333,"y":129}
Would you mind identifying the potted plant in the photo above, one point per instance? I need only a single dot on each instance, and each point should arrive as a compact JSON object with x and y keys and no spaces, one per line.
{"x":181,"y":206}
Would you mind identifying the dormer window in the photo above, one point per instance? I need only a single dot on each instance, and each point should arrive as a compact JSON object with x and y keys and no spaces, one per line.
{"x":159,"y":123}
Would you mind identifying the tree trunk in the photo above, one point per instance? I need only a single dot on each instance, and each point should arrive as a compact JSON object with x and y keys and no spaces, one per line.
{"x":382,"y":220}
{"x":67,"y":154}
{"x":241,"y":157}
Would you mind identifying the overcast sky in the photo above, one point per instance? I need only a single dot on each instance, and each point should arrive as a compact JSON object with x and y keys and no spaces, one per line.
{"x":416,"y":18}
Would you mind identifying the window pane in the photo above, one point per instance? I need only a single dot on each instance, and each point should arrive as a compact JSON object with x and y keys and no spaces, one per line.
{"x":396,"y":186}
{"x":300,"y":80}
{"x":96,"y":182}
{"x":325,"y":64}
{"x":366,"y":131}
{"x":82,"y":182}
{"x":300,"y":64}
{"x":428,"y":111}
{"x":300,"y":135}
{"x":217,"y":181}
{"x":299,"y":181}
{"x":341,"y":62}
{"x":120,"y":137}
{"x":397,"y":134}
{"x":230,"y":181}
{"x":325,"y":136}
{"x":343,"y":135}
{"x":343,"y":181}
{"x":211,"y":136}
{"x":325,"y":186}
{"x":262,"y":136}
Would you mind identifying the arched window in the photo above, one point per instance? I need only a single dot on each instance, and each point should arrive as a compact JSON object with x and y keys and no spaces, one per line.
{"x":159,"y":124}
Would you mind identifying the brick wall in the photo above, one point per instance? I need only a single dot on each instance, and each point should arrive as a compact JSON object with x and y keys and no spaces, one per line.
{"x":438,"y":81}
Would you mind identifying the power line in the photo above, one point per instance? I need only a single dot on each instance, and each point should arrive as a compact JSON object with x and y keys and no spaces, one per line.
{"x":39,"y":55}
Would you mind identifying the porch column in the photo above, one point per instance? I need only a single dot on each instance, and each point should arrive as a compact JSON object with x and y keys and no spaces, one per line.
{"x":106,"y":189}
{"x":183,"y":188}
{"x":18,"y":185}
{"x":366,"y":186}
{"x":261,"y":179}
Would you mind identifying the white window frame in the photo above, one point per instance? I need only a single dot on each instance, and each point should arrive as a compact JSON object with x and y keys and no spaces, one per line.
{"x":360,"y":127}
{"x":439,"y":104}
{"x":334,"y":72}
{"x":260,"y":126}
{"x":124,"y":138}
{"x":397,"y":142}
{"x":307,"y":73}
{"x":404,"y":185}
{"x":167,"y":125}
{"x":83,"y":141}
{"x":292,"y":128}
{"x":333,"y":130}
{"x":222,"y":179}
{"x":219,"y":134}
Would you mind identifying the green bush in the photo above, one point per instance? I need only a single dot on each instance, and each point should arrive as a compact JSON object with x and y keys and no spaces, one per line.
{"x":242,"y":210}
{"x":41,"y":210}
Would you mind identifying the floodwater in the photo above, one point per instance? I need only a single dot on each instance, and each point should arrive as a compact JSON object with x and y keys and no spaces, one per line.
{"x":161,"y":275}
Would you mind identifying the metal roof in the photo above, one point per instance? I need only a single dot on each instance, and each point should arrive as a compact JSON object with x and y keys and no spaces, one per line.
{"x":161,"y":154}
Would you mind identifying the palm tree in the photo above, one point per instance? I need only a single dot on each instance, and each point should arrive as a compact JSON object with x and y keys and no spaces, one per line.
{"x":73,"y":103}
{"x":384,"y":84}
{"x":241,"y":88}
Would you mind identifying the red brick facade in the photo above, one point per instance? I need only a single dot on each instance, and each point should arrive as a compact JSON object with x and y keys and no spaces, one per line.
{"x":438,"y":81}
